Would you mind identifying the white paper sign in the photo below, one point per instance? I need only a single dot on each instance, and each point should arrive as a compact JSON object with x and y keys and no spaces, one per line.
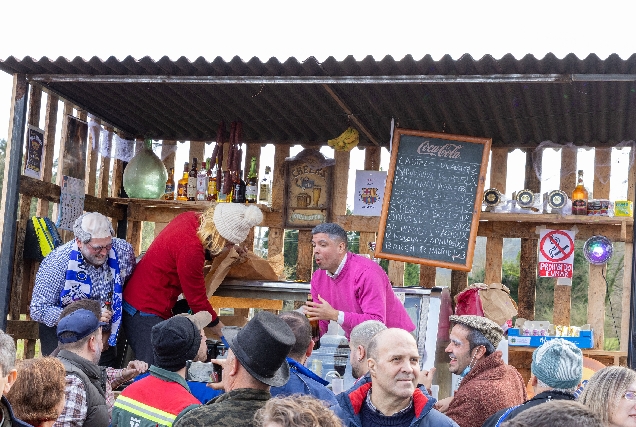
{"x":369,"y":193}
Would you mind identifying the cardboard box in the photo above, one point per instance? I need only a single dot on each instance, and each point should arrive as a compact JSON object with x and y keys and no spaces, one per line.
{"x":585,"y":340}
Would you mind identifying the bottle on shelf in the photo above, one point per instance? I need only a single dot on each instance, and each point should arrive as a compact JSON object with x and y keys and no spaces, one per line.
{"x":182,"y":184}
{"x":239,"y":189}
{"x":202,"y":183}
{"x":265,"y":191}
{"x":315,"y":328}
{"x":580,"y":196}
{"x":192,"y":181}
{"x":223,"y":197}
{"x":252,"y":183}
{"x":211,"y":180}
{"x":169,"y":193}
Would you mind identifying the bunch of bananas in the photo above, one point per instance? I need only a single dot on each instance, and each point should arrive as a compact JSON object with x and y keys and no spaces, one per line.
{"x":346,"y":141}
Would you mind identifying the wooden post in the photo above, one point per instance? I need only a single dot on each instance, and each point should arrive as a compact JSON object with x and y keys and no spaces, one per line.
{"x":371,"y":162}
{"x":597,"y":291}
{"x":459,"y":282}
{"x":529,"y":247}
{"x":427,"y":276}
{"x":197,"y":149}
{"x":104,"y":167}
{"x":305,"y":256}
{"x":168,"y":162}
{"x":341,"y":181}
{"x":396,"y":273}
{"x":563,"y":293}
{"x":275,"y":238}
{"x":91,"y":160}
{"x":9,"y":208}
{"x":628,"y":269}
{"x":494,"y":245}
{"x":50,"y":124}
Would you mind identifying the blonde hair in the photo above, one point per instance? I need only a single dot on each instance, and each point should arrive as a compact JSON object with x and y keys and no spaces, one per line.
{"x":207,"y":233}
{"x":38,"y":390}
{"x":297,"y":411}
{"x":605,"y":389}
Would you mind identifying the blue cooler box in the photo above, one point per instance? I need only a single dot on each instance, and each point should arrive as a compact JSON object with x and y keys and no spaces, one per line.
{"x":585,"y":340}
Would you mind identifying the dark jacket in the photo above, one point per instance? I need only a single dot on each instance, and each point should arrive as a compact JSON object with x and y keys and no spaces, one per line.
{"x":350,"y":403}
{"x":12,"y":419}
{"x":233,"y":409}
{"x":299,"y":383}
{"x":91,"y":375}
{"x":543,"y":397}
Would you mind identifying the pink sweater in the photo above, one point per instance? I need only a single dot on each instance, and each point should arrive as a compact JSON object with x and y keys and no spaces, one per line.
{"x":363,"y":292}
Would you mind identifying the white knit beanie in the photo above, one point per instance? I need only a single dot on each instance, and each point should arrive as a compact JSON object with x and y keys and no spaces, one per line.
{"x":558,"y":363}
{"x":234,"y":220}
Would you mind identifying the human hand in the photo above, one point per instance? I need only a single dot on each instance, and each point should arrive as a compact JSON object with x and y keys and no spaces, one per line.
{"x":426,"y":378}
{"x":320,"y":310}
{"x":219,"y":385}
{"x":443,"y":404}
{"x":217,"y":329}
{"x":106,"y":316}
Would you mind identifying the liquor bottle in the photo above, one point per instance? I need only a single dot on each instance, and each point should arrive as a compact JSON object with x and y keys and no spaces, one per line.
{"x":252,"y":183}
{"x":211,"y":180}
{"x":202,"y":183}
{"x":315,"y":328}
{"x":265,"y":187}
{"x":169,"y":193}
{"x":580,"y":196}
{"x":222,"y":197}
{"x":192,"y":181}
{"x":239,"y":189}
{"x":182,"y":184}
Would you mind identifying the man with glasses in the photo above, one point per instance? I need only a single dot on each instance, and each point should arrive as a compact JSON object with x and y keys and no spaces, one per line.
{"x":95,"y":265}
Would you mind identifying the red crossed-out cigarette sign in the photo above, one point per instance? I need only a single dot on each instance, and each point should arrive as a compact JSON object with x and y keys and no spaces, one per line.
{"x":556,"y":253}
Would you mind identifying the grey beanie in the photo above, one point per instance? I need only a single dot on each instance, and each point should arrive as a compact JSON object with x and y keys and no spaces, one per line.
{"x":558,"y":363}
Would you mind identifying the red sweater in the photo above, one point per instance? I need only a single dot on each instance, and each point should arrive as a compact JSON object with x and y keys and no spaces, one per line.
{"x":173,"y":264}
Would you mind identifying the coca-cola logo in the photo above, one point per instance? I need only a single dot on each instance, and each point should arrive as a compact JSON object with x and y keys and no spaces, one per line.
{"x":450,"y":151}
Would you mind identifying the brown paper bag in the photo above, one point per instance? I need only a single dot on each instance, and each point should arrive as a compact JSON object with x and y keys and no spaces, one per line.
{"x":497,"y":304}
{"x":220,"y":267}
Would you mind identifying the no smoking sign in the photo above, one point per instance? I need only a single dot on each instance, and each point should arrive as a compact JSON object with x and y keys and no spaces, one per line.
{"x":556,"y":253}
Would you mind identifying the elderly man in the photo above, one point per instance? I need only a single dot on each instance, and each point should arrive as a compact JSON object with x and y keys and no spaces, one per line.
{"x":7,"y":378}
{"x":359,"y":341}
{"x":487,"y":384}
{"x":557,"y":369}
{"x":164,"y":395}
{"x":255,"y":362}
{"x":388,"y":395}
{"x":349,"y":288}
{"x":93,"y":266}
{"x":302,"y":380}
{"x":80,"y":336}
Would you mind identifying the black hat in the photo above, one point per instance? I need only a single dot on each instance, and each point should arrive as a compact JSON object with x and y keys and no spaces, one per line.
{"x":77,"y":325}
{"x":262,"y":346}
{"x":177,"y":340}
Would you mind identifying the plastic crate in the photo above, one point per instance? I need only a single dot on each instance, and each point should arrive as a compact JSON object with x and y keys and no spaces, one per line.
{"x":585,"y":340}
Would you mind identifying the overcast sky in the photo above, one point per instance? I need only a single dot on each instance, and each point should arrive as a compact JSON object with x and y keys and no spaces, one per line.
{"x":302,"y":29}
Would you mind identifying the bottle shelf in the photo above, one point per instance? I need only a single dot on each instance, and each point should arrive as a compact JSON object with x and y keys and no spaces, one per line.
{"x":555,"y":218}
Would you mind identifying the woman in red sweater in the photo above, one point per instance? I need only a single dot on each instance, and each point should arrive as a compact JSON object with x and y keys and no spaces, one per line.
{"x":174,"y":264}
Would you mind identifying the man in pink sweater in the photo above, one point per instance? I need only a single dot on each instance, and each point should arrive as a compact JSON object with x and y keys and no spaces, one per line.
{"x":349,"y":288}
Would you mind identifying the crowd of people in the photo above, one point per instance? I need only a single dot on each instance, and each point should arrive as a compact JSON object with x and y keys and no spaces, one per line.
{"x":92,"y":291}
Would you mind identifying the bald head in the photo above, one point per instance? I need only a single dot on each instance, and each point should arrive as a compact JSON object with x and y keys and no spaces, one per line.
{"x":386,"y":339}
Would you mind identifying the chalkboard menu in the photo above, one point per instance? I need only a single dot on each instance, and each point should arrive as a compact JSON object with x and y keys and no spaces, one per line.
{"x":433,"y":198}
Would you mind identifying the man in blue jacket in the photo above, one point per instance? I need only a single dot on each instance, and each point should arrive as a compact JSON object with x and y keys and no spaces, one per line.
{"x":388,"y":394}
{"x":301,"y":379}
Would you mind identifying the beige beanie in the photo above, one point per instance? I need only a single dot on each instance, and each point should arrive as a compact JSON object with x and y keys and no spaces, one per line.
{"x":234,"y":220}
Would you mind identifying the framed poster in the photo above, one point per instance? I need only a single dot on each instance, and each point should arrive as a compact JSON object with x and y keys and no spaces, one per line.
{"x":308,"y":189}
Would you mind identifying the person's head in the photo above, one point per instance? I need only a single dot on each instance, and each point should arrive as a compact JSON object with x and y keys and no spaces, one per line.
{"x":80,"y":332}
{"x":257,"y":353}
{"x":472,"y":338}
{"x":227,"y":223}
{"x":87,"y":304}
{"x":94,"y":237}
{"x":556,"y":413}
{"x":179,"y":339}
{"x":330,"y":245}
{"x":299,"y":324}
{"x":37,"y":396}
{"x":611,"y":393}
{"x":359,"y":340}
{"x":557,"y":365}
{"x":296,"y":411}
{"x":394,"y":365}
{"x":7,"y":362}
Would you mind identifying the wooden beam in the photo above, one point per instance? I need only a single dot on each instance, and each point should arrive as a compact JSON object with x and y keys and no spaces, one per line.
{"x":357,"y":122}
{"x":494,"y":259}
{"x":276,"y":234}
{"x":596,"y":304}
{"x":197,"y":149}
{"x":396,"y":273}
{"x":427,"y":276}
{"x":365,"y":239}
{"x":459,"y":282}
{"x":167,"y":146}
{"x":372,"y":158}
{"x":305,"y":259}
{"x":50,"y":124}
{"x":10,"y":195}
{"x":92,"y":156}
{"x":104,"y":168}
{"x":626,"y":297}
{"x":340,"y":182}
{"x":23,"y":329}
{"x":602,"y":170}
{"x":499,"y":168}
{"x":18,"y":266}
{"x":562,"y":304}
{"x":569,"y":157}
{"x":35,"y":104}
{"x":133,"y":235}
{"x":527,"y":279}
{"x":241,"y":303}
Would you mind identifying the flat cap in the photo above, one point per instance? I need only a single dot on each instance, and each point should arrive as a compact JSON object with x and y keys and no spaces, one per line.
{"x":487,"y":327}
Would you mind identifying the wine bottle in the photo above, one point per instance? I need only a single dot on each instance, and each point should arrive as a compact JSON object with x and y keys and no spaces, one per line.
{"x":252,"y":183}
{"x":182,"y":184}
{"x":192,"y":181}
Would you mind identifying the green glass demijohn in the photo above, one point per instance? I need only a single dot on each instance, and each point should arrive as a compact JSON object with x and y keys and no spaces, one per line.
{"x":145,"y":175}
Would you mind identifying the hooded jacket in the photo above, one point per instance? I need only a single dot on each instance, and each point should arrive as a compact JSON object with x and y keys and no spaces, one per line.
{"x":350,"y":404}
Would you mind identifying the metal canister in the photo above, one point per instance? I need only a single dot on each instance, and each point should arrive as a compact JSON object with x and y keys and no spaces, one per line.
{"x":493,"y":197}
{"x":525,"y":198}
{"x":557,"y":199}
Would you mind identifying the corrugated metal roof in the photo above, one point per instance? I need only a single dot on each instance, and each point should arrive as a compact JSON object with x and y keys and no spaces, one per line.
{"x":511,"y":113}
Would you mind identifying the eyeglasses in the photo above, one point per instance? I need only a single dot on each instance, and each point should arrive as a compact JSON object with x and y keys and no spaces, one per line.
{"x":630,"y":395}
{"x":100,"y":248}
